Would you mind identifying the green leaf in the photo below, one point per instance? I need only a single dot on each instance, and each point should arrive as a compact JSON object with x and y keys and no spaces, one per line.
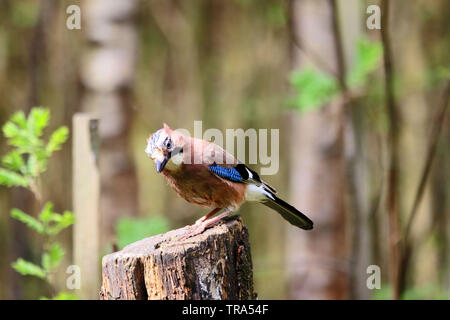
{"x":57,"y":139}
{"x":19,"y":118}
{"x":19,"y":134}
{"x":38,"y":120}
{"x":46,"y":261}
{"x":20,"y":138}
{"x":52,"y":258}
{"x":46,"y":214}
{"x":368,"y":57}
{"x":14,"y":161}
{"x":28,"y":220}
{"x":34,"y":166}
{"x":29,"y":269}
{"x":10,"y":130}
{"x":24,"y":142}
{"x":314,"y":88}
{"x":12,"y":179}
{"x":60,"y":222}
{"x":56,"y":253}
{"x":42,"y":160}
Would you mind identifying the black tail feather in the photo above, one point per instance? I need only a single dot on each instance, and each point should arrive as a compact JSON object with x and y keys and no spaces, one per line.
{"x":289,"y":213}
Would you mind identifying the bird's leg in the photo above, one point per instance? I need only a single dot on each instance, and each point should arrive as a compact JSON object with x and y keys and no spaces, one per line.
{"x":201,"y":226}
{"x":206,"y":217}
{"x":210,"y":222}
{"x":187,"y":230}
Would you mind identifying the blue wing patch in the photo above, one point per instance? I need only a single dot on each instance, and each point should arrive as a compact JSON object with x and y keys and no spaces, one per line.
{"x":227,"y":173}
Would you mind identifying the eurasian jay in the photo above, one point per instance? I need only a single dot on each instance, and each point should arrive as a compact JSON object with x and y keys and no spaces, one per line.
{"x":203,"y":173}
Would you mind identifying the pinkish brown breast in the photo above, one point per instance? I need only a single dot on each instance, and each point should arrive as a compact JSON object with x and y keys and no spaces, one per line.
{"x":197,"y":184}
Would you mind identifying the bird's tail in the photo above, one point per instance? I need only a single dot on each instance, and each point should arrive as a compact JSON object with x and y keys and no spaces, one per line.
{"x":287,"y":211}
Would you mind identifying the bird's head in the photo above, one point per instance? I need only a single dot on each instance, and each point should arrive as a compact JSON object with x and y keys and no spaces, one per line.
{"x":163,"y":146}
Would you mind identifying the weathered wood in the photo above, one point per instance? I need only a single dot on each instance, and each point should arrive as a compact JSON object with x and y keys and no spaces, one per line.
{"x":86,"y":195}
{"x":213,"y":265}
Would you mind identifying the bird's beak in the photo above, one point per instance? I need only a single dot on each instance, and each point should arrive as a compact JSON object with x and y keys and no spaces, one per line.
{"x":161,"y":164}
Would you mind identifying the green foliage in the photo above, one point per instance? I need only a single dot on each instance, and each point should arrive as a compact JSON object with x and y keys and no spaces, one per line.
{"x":49,"y":223}
{"x":274,"y":14}
{"x":314,"y":89}
{"x":368,"y":55}
{"x":13,"y":161}
{"x":24,"y":13}
{"x":55,"y":222}
{"x":129,"y":230}
{"x":424,"y":292}
{"x":384,"y":293}
{"x":57,"y":139}
{"x":61,"y":296}
{"x":29,"y":269}
{"x":52,"y":258}
{"x":28,"y":220}
{"x":31,"y":153}
{"x":436,"y":75}
{"x":23,"y":167}
{"x":38,"y":120}
{"x":10,"y":178}
{"x":428,"y":291}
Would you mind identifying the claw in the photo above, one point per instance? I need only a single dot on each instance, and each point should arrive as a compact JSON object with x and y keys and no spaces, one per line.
{"x":201,"y":225}
{"x":197,"y":229}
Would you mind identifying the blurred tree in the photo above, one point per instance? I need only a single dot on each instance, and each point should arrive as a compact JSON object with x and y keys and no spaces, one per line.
{"x":414,"y":61}
{"x":107,"y":74}
{"x":318,"y":260}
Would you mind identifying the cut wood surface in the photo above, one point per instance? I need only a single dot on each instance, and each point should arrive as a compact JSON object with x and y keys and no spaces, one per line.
{"x":213,"y":265}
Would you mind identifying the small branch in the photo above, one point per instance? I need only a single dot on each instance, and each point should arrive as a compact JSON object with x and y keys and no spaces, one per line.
{"x":432,"y":146}
{"x":391,"y":106}
{"x":35,"y":189}
{"x":311,"y":54}
{"x":340,"y":59}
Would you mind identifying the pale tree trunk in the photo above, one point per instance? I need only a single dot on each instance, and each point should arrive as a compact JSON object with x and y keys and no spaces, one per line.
{"x":317,"y":260}
{"x":349,"y":23}
{"x":107,"y":73}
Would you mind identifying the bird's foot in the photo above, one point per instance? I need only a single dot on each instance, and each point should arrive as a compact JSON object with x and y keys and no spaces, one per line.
{"x":199,"y":221}
{"x":201,"y":225}
{"x":191,"y":231}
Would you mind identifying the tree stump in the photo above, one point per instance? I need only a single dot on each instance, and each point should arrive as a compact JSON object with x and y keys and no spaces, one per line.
{"x":213,"y":265}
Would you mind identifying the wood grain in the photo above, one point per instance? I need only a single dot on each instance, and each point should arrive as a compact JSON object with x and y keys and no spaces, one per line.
{"x":214,"y":265}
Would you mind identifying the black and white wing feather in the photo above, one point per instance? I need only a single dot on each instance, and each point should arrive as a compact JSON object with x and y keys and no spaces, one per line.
{"x":258,"y":190}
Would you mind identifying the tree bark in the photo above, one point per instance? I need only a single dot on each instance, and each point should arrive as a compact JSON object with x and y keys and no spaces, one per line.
{"x":214,"y":265}
{"x":317,"y":261}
